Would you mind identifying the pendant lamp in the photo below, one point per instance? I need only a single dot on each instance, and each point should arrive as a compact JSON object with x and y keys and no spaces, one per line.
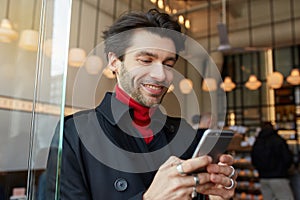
{"x":209,"y":84}
{"x":29,"y":37}
{"x":7,"y":32}
{"x":294,"y":77}
{"x":93,"y":62}
{"x":274,"y":79}
{"x":227,"y":85}
{"x":186,"y":86}
{"x":253,"y":83}
{"x":77,"y":55}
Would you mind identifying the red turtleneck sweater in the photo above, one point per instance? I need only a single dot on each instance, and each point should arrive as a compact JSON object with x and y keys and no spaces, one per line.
{"x":141,"y":114}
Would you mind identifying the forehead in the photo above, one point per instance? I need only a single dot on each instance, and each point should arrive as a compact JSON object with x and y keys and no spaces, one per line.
{"x":144,"y":40}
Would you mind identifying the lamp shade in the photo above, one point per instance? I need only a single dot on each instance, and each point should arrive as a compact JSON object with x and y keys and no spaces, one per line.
{"x":209,"y":84}
{"x":253,"y":83}
{"x":29,"y":40}
{"x":227,"y":85}
{"x":7,"y":33}
{"x":76,"y":57}
{"x":186,"y":86}
{"x":294,"y":77}
{"x":93,"y":64}
{"x":108,"y":73}
{"x":275,"y":80}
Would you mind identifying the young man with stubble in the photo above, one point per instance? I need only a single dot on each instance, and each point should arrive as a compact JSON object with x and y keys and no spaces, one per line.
{"x":126,"y":148}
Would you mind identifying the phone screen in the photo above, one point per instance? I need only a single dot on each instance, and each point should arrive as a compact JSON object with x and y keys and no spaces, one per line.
{"x":213,"y":143}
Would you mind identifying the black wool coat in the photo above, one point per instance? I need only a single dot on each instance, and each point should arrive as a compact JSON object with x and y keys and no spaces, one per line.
{"x":104,"y":156}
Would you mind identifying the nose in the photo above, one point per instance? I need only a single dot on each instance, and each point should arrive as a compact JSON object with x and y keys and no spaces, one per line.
{"x":158,"y":72}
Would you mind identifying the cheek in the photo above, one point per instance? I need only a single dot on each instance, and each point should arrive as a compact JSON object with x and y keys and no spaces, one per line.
{"x":169,"y":76}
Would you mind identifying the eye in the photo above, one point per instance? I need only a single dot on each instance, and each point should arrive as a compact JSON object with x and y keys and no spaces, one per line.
{"x":144,"y":61}
{"x":169,"y":64}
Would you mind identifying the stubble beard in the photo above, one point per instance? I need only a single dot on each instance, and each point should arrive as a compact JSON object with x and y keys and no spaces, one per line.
{"x":127,"y":84}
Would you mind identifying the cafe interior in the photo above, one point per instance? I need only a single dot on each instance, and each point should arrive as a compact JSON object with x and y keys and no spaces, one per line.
{"x":242,"y":63}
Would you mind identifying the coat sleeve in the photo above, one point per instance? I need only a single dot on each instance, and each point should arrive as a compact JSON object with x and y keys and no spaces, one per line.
{"x":71,"y":180}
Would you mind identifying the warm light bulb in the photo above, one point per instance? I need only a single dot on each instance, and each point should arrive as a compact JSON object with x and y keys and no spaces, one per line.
{"x":77,"y":57}
{"x":29,"y":40}
{"x":7,"y":33}
{"x":93,"y":64}
{"x":181,"y":19}
{"x":187,"y":24}
{"x":168,"y":9}
{"x":275,"y":80}
{"x":186,"y":86}
{"x":160,"y":4}
{"x":209,"y":84}
{"x":253,"y":83}
{"x":227,"y":85}
{"x":294,"y":78}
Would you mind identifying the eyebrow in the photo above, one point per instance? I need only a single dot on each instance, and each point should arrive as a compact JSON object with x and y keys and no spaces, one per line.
{"x":147,"y":53}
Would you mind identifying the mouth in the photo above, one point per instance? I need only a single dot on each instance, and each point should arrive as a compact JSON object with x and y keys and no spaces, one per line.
{"x":153,"y":89}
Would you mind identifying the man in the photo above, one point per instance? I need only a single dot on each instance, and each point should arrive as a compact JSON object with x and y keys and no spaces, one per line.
{"x":126,"y":148}
{"x":272,"y":158}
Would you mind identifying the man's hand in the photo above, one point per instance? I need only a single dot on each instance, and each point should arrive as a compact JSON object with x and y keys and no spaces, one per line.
{"x":176,"y":179}
{"x":170,"y":184}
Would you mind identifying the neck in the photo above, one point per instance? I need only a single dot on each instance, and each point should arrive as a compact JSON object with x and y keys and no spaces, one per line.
{"x":141,"y":114}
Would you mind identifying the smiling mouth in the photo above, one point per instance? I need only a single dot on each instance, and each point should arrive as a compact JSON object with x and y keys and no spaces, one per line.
{"x":153,"y":87}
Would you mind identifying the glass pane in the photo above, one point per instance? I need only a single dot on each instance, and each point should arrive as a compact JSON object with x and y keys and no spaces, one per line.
{"x":18,"y":58}
{"x":237,"y":67}
{"x":238,"y":96}
{"x":255,"y":97}
{"x":262,"y":66}
{"x":230,"y":99}
{"x":283,"y":61}
{"x":49,"y":97}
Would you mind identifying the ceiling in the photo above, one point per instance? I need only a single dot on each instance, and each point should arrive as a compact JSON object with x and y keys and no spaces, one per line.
{"x":240,"y":16}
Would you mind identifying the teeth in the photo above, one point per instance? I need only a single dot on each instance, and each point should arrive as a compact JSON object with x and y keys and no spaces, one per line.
{"x":153,"y":87}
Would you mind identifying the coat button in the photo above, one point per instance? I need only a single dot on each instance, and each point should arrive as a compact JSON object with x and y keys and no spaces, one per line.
{"x":121,"y":184}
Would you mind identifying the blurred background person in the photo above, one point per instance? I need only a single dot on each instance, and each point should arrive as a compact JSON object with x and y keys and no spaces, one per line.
{"x":272,"y":158}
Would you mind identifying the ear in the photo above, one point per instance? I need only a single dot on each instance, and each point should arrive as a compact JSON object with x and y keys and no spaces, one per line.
{"x":113,"y":62}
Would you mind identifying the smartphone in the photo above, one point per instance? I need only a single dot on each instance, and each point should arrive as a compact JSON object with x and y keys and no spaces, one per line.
{"x":213,"y":143}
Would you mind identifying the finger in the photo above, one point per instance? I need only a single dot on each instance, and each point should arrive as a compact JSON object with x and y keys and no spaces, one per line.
{"x":221,"y":169}
{"x":194,"y":164}
{"x":226,"y":159}
{"x":222,"y":180}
